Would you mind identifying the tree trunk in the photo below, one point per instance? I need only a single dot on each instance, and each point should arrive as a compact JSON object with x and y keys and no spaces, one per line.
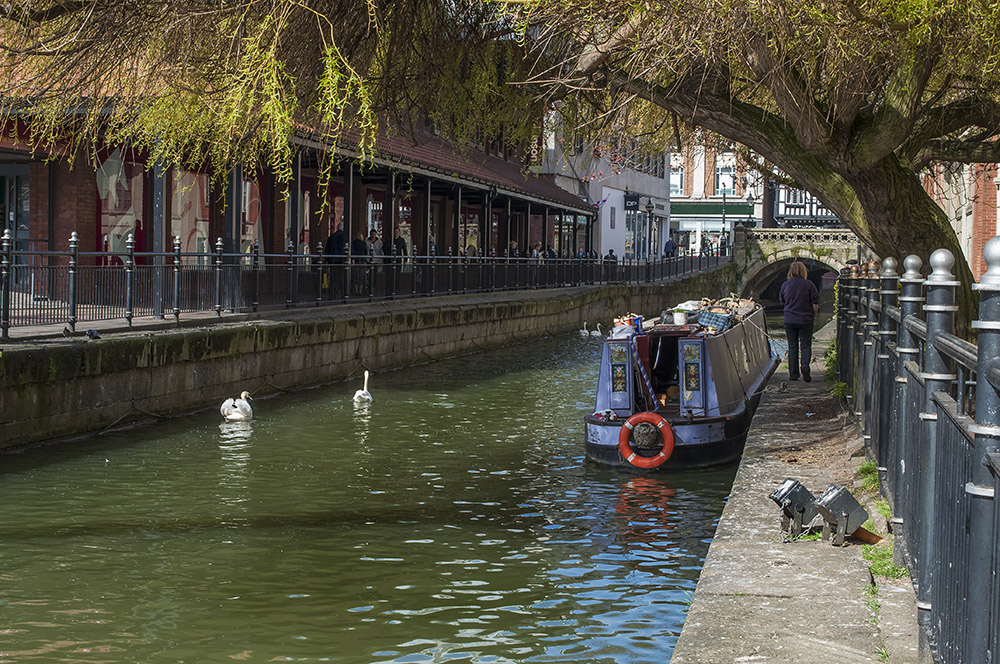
{"x":900,"y":219}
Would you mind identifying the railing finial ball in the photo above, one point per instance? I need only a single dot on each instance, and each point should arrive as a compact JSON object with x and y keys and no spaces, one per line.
{"x":991,"y":252}
{"x":912,"y":265}
{"x":941,"y":262}
{"x":872,"y":269}
{"x":889,"y":268}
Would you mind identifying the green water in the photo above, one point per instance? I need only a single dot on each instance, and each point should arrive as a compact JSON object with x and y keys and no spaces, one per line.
{"x":453,"y":520}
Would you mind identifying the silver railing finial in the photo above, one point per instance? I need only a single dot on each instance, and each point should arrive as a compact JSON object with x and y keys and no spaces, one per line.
{"x":912,"y":265}
{"x":991,"y":252}
{"x":942,"y":261}
{"x":889,"y":268}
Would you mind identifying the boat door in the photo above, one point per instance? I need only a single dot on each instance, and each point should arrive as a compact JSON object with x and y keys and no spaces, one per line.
{"x":14,"y":206}
{"x":691,"y":356}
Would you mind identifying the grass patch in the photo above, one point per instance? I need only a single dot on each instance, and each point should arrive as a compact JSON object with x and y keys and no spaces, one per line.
{"x":869,"y":477}
{"x":830,"y":360}
{"x":882,"y":507}
{"x":840,"y":390}
{"x":880,"y":561}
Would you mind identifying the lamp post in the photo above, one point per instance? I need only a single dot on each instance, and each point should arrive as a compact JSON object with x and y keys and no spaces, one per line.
{"x":751,"y":223}
{"x":649,"y":228}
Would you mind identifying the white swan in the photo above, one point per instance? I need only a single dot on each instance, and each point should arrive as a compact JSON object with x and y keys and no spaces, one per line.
{"x":363,"y":395}
{"x":597,"y":332}
{"x":584,"y":332}
{"x":237,"y":410}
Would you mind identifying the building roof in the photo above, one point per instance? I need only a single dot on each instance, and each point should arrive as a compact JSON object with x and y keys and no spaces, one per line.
{"x":429,"y":154}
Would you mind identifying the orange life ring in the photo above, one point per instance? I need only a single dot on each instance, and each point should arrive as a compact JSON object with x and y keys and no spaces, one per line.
{"x":626,"y":433}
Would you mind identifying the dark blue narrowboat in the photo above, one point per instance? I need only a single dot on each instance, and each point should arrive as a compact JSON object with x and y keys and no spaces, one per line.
{"x":672,"y":397}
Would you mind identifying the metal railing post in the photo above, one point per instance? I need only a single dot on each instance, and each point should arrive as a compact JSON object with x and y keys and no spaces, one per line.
{"x":218,"y":277}
{"x":318,"y":262}
{"x":177,"y":279}
{"x":869,"y":334}
{"x":980,"y":490}
{"x":911,"y":301}
{"x":255,"y":281}
{"x":74,"y":256}
{"x":290,"y":274}
{"x":5,"y":281}
{"x":129,"y":277}
{"x":881,"y":433}
{"x":938,"y":375}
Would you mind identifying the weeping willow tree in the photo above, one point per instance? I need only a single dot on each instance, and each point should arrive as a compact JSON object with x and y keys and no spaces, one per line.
{"x":190,"y":82}
{"x":848,"y":99}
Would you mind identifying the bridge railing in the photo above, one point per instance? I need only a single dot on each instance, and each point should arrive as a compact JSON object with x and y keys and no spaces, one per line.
{"x":927,"y":404}
{"x":793,"y":236}
{"x":71,"y":287}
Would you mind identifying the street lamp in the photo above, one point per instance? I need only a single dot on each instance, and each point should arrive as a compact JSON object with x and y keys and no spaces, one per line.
{"x":649,"y":226}
{"x":750,"y":201}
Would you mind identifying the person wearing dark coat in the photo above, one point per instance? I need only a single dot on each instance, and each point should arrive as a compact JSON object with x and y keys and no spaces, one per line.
{"x":800,"y":300}
{"x":335,"y":245}
{"x":359,"y":257}
{"x":398,"y":243}
{"x":334,"y":252}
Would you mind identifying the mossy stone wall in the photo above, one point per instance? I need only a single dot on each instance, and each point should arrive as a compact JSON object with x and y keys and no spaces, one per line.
{"x":65,"y":389}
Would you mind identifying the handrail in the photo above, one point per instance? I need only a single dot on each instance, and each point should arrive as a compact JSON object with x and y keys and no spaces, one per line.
{"x":957,"y":349}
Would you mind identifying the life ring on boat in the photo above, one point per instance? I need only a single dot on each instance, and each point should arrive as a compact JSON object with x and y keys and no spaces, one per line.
{"x":626,"y":433}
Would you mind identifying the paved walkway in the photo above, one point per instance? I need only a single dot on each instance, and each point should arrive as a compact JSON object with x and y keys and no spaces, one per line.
{"x":761,"y":598}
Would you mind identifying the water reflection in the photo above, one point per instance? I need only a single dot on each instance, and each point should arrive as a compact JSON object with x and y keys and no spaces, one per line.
{"x":235,"y":442}
{"x":460,"y":523}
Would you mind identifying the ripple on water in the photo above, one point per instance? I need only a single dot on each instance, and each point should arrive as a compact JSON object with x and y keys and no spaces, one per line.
{"x":452,"y":519}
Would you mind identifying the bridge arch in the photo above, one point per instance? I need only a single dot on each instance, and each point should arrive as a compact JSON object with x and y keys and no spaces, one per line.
{"x":767,"y":254}
{"x":757,"y":284}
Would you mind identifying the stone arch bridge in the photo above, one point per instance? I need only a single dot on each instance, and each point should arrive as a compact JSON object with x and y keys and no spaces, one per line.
{"x":765,"y":254}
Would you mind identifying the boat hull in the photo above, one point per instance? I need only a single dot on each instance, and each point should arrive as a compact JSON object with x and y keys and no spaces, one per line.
{"x":698,"y":442}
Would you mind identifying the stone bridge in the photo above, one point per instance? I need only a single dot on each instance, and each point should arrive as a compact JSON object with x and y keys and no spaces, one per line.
{"x":766,"y":253}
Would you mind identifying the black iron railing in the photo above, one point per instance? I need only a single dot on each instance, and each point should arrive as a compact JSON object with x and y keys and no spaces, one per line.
{"x":928,"y":406}
{"x":73,"y":287}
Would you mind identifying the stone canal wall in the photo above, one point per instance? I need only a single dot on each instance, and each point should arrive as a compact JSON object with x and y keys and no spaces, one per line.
{"x":59,"y":389}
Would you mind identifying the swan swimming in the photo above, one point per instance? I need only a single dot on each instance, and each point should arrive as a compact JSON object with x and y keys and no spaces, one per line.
{"x":597,"y":332}
{"x":584,"y":332}
{"x":363,"y":395}
{"x":237,"y":410}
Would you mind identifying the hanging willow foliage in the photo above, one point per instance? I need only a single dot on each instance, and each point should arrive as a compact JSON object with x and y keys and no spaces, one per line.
{"x":191,"y":82}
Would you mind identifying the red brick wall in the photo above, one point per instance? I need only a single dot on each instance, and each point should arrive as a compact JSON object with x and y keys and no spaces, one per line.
{"x":74,"y":203}
{"x":984,"y":215}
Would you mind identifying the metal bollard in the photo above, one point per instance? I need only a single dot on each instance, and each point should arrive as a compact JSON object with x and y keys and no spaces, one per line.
{"x":980,"y":489}
{"x":5,"y":281}
{"x":911,"y":300}
{"x":888,"y":295}
{"x":177,"y":279}
{"x":129,"y":277}
{"x":938,"y":375}
{"x":218,"y":277}
{"x":74,"y":256}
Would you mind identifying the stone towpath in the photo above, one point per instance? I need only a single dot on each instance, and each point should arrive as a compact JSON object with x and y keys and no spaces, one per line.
{"x":761,"y":598}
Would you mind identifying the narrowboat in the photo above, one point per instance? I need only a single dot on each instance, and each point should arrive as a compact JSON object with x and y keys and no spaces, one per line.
{"x":673,"y":395}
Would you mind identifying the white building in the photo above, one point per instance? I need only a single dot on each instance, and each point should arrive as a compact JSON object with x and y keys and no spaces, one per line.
{"x":628,"y":186}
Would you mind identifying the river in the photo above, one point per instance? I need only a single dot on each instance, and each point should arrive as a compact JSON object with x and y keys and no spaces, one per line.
{"x":455,"y":519}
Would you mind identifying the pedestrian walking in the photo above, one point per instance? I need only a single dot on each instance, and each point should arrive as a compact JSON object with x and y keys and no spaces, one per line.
{"x":800,"y":301}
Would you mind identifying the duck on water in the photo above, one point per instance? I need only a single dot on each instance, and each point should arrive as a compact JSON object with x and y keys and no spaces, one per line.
{"x":671,"y":397}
